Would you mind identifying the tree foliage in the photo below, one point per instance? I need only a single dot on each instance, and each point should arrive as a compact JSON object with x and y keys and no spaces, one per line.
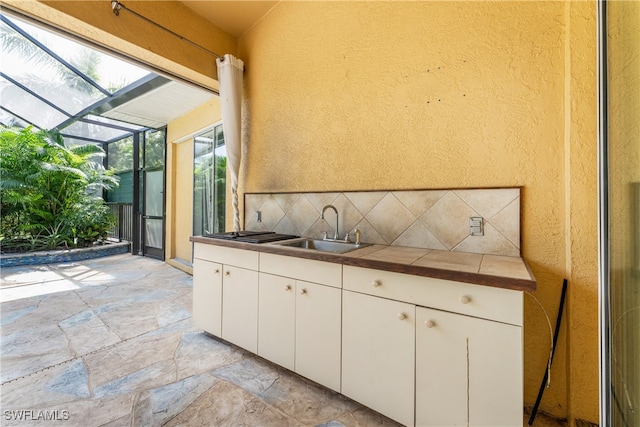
{"x":50,"y":195}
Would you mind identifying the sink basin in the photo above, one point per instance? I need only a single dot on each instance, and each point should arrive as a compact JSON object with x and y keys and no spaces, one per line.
{"x":323,"y":245}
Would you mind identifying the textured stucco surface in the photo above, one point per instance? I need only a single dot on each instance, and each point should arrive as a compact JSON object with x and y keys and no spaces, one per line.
{"x":582,"y":203}
{"x":582,"y":206}
{"x":347,"y":96}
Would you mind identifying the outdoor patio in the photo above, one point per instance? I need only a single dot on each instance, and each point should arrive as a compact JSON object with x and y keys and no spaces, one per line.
{"x":109,"y":342}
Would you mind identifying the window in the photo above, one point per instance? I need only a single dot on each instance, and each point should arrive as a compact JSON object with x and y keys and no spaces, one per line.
{"x":209,"y":182}
{"x":120,"y":156}
{"x":153,"y":149}
{"x":120,"y":160}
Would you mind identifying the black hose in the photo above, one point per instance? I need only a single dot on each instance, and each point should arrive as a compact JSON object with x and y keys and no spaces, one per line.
{"x":555,"y":340}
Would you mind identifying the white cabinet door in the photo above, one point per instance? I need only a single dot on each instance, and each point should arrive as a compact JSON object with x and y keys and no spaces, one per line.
{"x":276,"y":319}
{"x":207,"y":296}
{"x":468,"y":371}
{"x":318,"y":333}
{"x":378,"y":354}
{"x":240,"y":307}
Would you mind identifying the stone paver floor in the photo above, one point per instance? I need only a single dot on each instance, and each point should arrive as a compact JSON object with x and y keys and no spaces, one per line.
{"x":109,"y":342}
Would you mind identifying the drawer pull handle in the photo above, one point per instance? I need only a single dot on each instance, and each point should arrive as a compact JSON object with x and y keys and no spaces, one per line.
{"x":465,"y":299}
{"x":287,"y":288}
{"x":429,"y":323}
{"x":402,"y":316}
{"x":376,"y":283}
{"x":303,"y":291}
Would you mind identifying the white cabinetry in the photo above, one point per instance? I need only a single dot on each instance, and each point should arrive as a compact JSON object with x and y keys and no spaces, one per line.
{"x":467,"y":347}
{"x":276,"y":320}
{"x":225,"y":294}
{"x":468,"y":371}
{"x":378,"y":356}
{"x":422,"y":351}
{"x":207,"y":296}
{"x":240,"y":307}
{"x":300,"y":320}
{"x":318,"y":323}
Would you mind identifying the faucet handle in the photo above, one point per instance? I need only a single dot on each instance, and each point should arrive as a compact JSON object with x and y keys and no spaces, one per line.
{"x":347,"y":238}
{"x":324,"y":235}
{"x":358,"y":236}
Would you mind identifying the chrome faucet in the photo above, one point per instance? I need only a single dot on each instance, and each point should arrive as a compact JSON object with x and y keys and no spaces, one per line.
{"x":335,"y":236}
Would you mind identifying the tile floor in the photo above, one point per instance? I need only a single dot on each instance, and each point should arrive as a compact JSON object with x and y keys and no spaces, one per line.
{"x":109,"y":342}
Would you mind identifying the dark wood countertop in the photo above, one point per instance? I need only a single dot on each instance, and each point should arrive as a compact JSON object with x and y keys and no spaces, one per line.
{"x":487,"y":270}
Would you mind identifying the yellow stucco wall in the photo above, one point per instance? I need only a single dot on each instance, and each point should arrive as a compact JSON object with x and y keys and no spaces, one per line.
{"x":179,"y":219}
{"x":401,"y":95}
{"x":581,"y":207}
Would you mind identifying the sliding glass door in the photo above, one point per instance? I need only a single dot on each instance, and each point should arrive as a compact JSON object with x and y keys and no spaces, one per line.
{"x":620,"y":212}
{"x":209,"y":182}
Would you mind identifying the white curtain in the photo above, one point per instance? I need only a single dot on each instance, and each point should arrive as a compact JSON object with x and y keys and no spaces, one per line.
{"x":230,"y":71}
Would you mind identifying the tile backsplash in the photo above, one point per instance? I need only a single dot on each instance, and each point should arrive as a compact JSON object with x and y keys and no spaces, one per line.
{"x":431,"y":219}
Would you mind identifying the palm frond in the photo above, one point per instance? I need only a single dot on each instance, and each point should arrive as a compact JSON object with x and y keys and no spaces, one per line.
{"x":13,"y":42}
{"x":53,"y":136}
{"x":87,"y":150}
{"x":11,"y":183}
{"x":62,"y":168}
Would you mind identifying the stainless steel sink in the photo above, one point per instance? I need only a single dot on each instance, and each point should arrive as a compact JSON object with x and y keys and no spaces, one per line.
{"x":323,"y":245}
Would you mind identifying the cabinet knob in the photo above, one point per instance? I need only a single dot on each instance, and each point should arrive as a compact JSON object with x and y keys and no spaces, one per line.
{"x":376,"y":283}
{"x":216,"y":271}
{"x":465,"y":299}
{"x":303,"y":291}
{"x":402,"y":316}
{"x":227,"y":273}
{"x":287,"y":288}
{"x":429,"y":323}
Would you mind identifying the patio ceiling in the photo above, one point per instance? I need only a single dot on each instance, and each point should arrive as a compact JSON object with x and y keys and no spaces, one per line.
{"x":51,"y":82}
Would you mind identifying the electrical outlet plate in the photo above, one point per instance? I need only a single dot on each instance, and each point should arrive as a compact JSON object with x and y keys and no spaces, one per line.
{"x":476,"y":226}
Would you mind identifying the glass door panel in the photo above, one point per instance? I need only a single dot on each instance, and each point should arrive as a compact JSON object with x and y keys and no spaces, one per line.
{"x":154,"y":213}
{"x":153,"y":194}
{"x":622,"y":193}
{"x":209,"y":182}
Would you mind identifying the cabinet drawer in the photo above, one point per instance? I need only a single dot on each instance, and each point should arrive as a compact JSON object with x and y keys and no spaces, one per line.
{"x":502,"y":305}
{"x":228,"y":256}
{"x":326,"y":273}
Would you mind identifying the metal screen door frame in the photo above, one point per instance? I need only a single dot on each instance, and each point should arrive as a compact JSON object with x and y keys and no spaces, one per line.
{"x":153,"y":203}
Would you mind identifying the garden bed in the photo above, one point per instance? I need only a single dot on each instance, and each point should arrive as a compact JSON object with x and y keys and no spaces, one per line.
{"x":66,"y":255}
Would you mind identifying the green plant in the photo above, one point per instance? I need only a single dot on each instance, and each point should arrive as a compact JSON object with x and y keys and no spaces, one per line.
{"x":90,"y":222}
{"x":49,"y":192}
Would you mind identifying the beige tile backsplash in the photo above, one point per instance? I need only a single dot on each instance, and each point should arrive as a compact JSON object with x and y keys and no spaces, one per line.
{"x":428,"y":219}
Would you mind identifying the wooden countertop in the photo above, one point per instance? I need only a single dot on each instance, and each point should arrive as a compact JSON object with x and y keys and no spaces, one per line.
{"x":487,"y":270}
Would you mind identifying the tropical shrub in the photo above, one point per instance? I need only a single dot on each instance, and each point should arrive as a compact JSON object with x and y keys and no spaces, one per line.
{"x":50,"y":194}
